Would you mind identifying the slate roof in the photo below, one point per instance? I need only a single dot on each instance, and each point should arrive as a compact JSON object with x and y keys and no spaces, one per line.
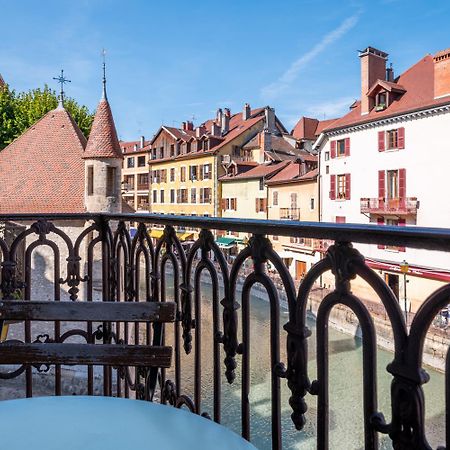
{"x":42,"y":170}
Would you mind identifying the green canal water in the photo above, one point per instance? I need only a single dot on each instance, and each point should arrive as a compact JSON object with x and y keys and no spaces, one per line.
{"x":346,"y":424}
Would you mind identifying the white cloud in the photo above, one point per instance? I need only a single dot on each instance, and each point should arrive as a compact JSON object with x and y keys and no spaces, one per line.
{"x":274,"y":89}
{"x":331,"y":109}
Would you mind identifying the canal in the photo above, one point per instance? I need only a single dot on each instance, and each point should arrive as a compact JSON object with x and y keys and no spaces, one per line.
{"x":346,"y":424}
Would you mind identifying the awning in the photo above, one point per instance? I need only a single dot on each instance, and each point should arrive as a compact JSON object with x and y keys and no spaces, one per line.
{"x":156,"y":233}
{"x":226,"y":241}
{"x":184,"y":236}
{"x":418,"y":271}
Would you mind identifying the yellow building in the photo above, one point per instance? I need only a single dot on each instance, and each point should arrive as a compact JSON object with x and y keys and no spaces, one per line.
{"x":186,"y":163}
{"x":293,"y":195}
{"x":135,"y":174}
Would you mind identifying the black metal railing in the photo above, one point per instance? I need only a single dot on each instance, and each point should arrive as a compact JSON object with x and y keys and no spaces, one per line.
{"x":92,"y":257}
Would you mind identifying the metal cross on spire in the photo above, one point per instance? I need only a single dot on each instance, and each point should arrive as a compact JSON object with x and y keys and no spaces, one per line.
{"x":104,"y":73}
{"x":61,"y":80}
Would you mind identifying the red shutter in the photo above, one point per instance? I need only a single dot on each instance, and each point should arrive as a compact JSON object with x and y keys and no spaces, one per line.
{"x":235,"y":204}
{"x":402,"y":183}
{"x":347,"y":146}
{"x":401,"y":138}
{"x":264,"y":204}
{"x":223,"y":204}
{"x":257,"y":204}
{"x":347,"y":186}
{"x":333,"y":149}
{"x":401,"y":223}
{"x":381,"y":185}
{"x":380,"y":221}
{"x":381,"y":141}
{"x":333,"y":187}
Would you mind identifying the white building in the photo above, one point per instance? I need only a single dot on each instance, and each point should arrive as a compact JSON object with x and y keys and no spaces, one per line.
{"x":386,"y":162}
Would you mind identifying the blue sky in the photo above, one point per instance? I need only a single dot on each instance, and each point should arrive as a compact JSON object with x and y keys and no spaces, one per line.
{"x":169,"y":61}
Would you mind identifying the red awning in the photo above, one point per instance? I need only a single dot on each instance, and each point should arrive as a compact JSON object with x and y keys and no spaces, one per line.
{"x":417,"y":271}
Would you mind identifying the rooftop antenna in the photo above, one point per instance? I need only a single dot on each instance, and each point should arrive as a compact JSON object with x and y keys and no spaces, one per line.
{"x":104,"y":74}
{"x":61,"y":80}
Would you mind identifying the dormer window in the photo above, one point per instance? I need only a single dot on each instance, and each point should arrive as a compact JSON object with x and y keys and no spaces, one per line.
{"x":381,"y":100}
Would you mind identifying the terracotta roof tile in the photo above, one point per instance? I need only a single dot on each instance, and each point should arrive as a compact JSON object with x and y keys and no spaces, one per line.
{"x":291,"y":174}
{"x":418,"y":81}
{"x":103,"y":141}
{"x":262,"y":170}
{"x":42,"y":170}
{"x":308,"y":128}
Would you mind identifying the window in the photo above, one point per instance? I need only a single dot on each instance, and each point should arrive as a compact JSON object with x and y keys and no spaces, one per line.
{"x":392,"y":139}
{"x":261,"y":205}
{"x":275,"y":238}
{"x":172,"y":150}
{"x":327,"y":156}
{"x":111,"y":181}
{"x":293,"y":200}
{"x":172,"y":196}
{"x":164,"y":176}
{"x":153,"y":153}
{"x":261,"y":184}
{"x":207,"y":171}
{"x":327,"y":169}
{"x":381,"y":100}
{"x":161,"y":152}
{"x":205,"y":195}
{"x":155,"y":196}
{"x":141,"y":161}
{"x":193,"y":195}
{"x":142,"y":181}
{"x":183,"y":174}
{"x":392,"y":184}
{"x":182,"y":196}
{"x":161,"y":196}
{"x":312,"y":203}
{"x":229,"y":204}
{"x":90,"y":180}
{"x":130,"y":162}
{"x":340,"y":147}
{"x":340,"y":187}
{"x":172,"y":174}
{"x":275,"y":198}
{"x":193,"y":173}
{"x":188,"y":147}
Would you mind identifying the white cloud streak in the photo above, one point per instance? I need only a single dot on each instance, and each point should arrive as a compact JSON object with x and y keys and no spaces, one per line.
{"x":288,"y":77}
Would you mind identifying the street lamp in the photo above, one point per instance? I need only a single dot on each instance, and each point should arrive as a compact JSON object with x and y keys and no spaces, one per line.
{"x":404,"y":268}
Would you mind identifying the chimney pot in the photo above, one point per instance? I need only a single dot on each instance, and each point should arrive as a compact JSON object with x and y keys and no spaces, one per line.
{"x":183,"y":126}
{"x":246,"y":112}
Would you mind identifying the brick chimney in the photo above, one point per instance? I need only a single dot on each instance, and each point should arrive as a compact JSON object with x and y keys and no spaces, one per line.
{"x":189,"y":126}
{"x":442,"y":73}
{"x":184,"y":126}
{"x":246,"y":112}
{"x":373,"y":68}
{"x":200,"y":131}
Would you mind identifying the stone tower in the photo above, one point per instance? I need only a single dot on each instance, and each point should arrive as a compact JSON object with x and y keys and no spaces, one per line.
{"x":103,"y":162}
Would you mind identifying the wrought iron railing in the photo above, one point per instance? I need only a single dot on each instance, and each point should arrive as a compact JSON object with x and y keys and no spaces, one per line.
{"x":400,"y":205}
{"x":93,"y":255}
{"x":290,"y":213}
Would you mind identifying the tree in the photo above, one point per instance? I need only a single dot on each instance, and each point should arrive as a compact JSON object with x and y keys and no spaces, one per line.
{"x":19,"y":111}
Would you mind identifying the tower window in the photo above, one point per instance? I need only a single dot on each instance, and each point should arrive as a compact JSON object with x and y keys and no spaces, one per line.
{"x":90,"y":180}
{"x":111,"y":181}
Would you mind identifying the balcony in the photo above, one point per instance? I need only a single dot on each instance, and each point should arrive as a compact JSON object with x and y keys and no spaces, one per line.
{"x":396,"y":206}
{"x":216,"y":369}
{"x":290,"y":213}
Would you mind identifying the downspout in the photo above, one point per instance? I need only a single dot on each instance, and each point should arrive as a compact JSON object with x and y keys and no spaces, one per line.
{"x":216,"y":182}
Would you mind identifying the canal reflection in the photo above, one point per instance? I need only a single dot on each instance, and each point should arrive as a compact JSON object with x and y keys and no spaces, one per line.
{"x":346,"y":424}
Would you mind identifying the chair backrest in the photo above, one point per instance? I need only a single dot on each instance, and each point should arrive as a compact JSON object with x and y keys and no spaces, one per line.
{"x":48,"y":353}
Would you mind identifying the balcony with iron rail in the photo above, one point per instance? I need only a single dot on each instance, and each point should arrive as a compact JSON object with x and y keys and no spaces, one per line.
{"x":290,"y":213}
{"x":395,"y":206}
{"x":102,"y":262}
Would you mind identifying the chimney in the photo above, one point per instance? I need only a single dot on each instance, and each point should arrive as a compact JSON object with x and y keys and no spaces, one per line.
{"x":246,"y":112}
{"x":200,"y":131}
{"x":390,"y":74}
{"x":373,"y":68}
{"x":269,"y":114}
{"x":219,"y":116}
{"x":215,"y":129}
{"x":142,"y":141}
{"x":183,"y":126}
{"x":265,"y":140}
{"x":189,"y":126}
{"x":226,"y":121}
{"x":442,"y":73}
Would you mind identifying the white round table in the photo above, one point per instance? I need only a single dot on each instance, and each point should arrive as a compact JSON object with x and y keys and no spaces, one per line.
{"x":105,"y":423}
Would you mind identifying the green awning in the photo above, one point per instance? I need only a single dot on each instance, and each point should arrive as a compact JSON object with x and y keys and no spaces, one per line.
{"x":226,"y":241}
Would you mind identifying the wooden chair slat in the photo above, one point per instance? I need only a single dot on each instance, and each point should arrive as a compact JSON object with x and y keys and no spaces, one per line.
{"x":88,"y":311}
{"x":86,"y":354}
